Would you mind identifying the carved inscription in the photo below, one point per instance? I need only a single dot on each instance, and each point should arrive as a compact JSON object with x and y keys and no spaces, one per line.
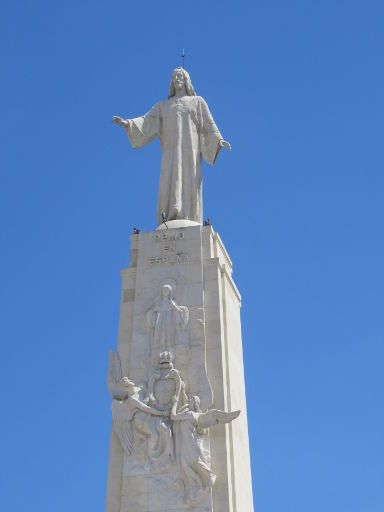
{"x":165,"y":236}
{"x":170,"y":259}
{"x":168,"y":248}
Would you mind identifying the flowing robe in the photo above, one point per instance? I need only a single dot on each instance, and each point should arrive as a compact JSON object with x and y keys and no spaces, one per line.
{"x":193,"y":470}
{"x":132,"y":418}
{"x":167,"y":320}
{"x":187,"y":134}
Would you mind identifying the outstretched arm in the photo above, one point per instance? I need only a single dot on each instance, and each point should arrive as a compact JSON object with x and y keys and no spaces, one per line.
{"x":141,"y":130}
{"x":175,"y":416}
{"x":146,"y":408}
{"x":178,"y":416}
{"x":212,"y":139}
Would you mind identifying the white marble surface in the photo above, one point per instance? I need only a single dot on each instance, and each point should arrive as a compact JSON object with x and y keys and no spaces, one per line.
{"x":194,"y":262}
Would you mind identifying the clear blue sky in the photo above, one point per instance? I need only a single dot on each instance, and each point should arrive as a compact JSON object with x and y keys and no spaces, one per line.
{"x":297,"y":88}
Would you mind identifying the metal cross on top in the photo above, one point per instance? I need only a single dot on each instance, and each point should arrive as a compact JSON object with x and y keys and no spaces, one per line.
{"x":183,"y":58}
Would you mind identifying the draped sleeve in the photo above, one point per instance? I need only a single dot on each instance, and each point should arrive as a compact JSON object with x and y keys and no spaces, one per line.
{"x":142,"y":130}
{"x":210,"y":135}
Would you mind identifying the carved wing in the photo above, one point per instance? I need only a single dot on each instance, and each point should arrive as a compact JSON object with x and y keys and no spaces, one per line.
{"x":215,"y":416}
{"x":124,"y":431}
{"x":122,"y":423}
{"x":114,"y":370}
{"x":127,"y":436}
{"x":115,"y":377}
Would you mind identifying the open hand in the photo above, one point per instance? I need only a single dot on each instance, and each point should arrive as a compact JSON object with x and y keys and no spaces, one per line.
{"x":120,"y":121}
{"x":225,"y":144}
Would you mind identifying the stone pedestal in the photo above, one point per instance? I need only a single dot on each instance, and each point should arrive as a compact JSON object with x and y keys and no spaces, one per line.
{"x":205,"y":341}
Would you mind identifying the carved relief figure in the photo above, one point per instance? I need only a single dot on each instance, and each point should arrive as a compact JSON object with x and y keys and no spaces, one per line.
{"x":135,"y":421}
{"x":166,"y":321}
{"x":188,"y":426}
{"x":187,"y":134}
{"x":172,"y":427}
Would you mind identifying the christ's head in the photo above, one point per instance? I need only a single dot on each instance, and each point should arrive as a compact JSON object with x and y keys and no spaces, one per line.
{"x":181,"y":83}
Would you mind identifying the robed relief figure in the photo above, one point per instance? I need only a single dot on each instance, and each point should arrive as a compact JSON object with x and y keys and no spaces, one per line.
{"x":190,"y":423}
{"x":143,"y":431}
{"x":188,"y":134}
{"x":166,"y":321}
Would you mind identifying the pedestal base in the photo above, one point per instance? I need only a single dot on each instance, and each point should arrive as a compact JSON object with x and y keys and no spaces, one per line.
{"x":204,"y":335}
{"x":179,"y":223}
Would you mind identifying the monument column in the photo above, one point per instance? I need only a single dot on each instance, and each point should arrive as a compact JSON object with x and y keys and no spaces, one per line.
{"x":179,"y":424}
{"x":192,"y":261}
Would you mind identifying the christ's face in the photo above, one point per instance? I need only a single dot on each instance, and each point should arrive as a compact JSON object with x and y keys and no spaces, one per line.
{"x":178,"y":81}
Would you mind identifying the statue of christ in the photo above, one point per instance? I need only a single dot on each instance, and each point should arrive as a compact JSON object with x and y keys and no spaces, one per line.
{"x":188,"y":134}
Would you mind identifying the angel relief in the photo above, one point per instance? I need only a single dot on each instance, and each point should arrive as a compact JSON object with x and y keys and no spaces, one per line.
{"x":163,"y":427}
{"x":143,"y":431}
{"x":189,"y":425}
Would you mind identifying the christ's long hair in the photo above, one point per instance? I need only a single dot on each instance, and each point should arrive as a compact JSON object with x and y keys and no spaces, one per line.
{"x":187,"y":81}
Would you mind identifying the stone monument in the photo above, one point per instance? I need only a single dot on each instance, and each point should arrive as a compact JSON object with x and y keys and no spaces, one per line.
{"x":179,"y":436}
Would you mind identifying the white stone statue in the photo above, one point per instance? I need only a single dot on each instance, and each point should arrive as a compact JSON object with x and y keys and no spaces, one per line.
{"x":166,"y":321}
{"x":187,"y":134}
{"x":189,"y":423}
